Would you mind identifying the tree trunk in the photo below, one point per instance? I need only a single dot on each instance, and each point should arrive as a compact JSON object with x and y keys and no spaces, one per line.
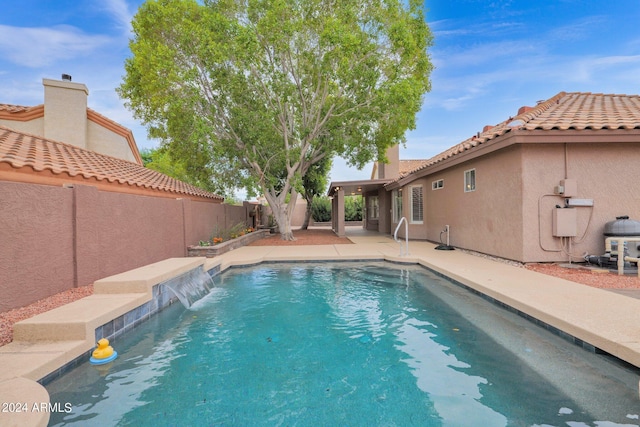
{"x":307,"y":215}
{"x":282,"y":213}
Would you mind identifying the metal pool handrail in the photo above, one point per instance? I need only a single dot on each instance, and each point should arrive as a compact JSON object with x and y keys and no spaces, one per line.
{"x":406,"y":236}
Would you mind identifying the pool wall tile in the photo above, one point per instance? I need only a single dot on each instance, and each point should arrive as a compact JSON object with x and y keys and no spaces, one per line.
{"x":66,"y":368}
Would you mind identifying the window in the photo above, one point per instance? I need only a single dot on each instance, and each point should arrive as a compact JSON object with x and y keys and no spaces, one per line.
{"x":373,"y":207}
{"x":436,"y":185}
{"x":417,"y":206}
{"x":469,"y":180}
{"x":397,"y":205}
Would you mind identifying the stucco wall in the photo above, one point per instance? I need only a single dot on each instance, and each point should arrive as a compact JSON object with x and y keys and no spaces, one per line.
{"x":201,"y":215}
{"x":487,"y":220}
{"x":105,"y":141}
{"x":606,"y":173}
{"x":36,"y":245}
{"x":34,"y":127}
{"x":297,"y":218}
{"x":299,"y":212}
{"x":140,"y":230}
{"x":113,"y":232}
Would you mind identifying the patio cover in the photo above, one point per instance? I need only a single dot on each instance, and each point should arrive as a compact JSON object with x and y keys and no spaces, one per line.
{"x":337,"y":191}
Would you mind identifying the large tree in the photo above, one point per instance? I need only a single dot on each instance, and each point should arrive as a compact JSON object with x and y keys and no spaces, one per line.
{"x":260,"y":90}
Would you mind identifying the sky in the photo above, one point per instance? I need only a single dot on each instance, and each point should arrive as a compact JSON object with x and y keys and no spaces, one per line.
{"x":491,"y":57}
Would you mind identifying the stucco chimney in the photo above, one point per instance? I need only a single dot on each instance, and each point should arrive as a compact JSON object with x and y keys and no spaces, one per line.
{"x":391,"y":169}
{"x":65,"y":111}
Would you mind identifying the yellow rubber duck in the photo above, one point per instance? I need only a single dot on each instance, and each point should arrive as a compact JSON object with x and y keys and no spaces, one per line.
{"x":103,"y":349}
{"x":103,"y":353}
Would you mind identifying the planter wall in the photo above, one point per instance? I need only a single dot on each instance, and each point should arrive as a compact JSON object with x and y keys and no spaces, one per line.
{"x":220,"y":248}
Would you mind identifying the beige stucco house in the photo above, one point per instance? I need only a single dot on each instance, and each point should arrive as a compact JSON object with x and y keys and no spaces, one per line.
{"x":537,"y":187}
{"x":65,"y":117}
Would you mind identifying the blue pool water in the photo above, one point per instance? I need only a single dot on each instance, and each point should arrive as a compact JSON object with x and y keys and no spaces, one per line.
{"x":347,"y":344}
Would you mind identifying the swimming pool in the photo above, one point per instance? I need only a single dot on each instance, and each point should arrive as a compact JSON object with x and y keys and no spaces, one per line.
{"x":345,"y":344}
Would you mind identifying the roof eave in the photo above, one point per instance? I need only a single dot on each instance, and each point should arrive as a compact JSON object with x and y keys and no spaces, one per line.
{"x":523,"y":136}
{"x":365,"y":185}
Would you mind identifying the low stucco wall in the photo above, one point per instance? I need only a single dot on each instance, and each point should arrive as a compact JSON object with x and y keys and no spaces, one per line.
{"x":56,"y":238}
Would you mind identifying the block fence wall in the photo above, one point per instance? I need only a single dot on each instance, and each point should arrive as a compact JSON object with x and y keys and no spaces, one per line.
{"x":56,"y":238}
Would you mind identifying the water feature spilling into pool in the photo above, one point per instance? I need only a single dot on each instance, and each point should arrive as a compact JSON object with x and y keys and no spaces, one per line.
{"x":191,"y":287}
{"x":345,"y":344}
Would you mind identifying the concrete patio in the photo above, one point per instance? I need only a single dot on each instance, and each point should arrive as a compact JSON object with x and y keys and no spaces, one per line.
{"x":595,"y":318}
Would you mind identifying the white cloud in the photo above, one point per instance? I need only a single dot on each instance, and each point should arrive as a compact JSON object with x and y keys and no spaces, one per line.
{"x":119,"y":9}
{"x":450,"y":29}
{"x":604,"y":71}
{"x":575,"y":31}
{"x":41,"y":47}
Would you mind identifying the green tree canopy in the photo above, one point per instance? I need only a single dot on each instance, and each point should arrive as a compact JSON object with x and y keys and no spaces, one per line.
{"x":257,"y":91}
{"x":162,"y":160}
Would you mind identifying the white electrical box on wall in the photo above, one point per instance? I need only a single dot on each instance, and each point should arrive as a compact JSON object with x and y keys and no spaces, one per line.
{"x":564,"y":222}
{"x":570,"y":187}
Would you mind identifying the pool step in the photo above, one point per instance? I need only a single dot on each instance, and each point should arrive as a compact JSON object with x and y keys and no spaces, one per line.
{"x":77,"y":320}
{"x":112,"y":297}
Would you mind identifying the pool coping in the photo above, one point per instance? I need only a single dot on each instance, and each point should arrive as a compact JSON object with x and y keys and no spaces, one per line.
{"x":594,"y":318}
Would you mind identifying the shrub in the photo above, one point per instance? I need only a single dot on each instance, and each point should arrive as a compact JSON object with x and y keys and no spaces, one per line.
{"x":321,"y":209}
{"x":353,"y":208}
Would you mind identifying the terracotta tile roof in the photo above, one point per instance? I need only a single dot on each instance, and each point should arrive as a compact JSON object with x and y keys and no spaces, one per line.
{"x":13,"y":108}
{"x":21,"y":113}
{"x":565,"y":111}
{"x":406,"y":166}
{"x":51,"y":162}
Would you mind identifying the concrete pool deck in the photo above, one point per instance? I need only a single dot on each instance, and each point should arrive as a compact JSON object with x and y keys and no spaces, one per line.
{"x":597,"y":318}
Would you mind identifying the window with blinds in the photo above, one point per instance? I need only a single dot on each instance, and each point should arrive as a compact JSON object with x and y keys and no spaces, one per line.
{"x":417,"y":205}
